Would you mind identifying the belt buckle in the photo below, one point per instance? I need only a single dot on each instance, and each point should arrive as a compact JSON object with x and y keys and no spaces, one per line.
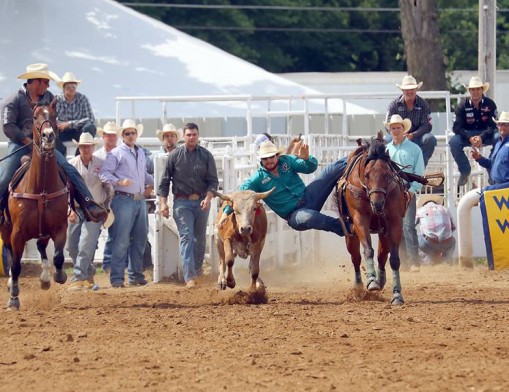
{"x":137,"y":196}
{"x":193,"y":197}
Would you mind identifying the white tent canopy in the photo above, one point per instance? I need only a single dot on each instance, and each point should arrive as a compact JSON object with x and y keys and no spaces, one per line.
{"x":117,"y":51}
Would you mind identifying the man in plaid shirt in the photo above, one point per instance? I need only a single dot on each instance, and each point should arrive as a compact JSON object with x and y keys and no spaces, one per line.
{"x":410,"y":105}
{"x":435,"y":236}
{"x":74,"y":113}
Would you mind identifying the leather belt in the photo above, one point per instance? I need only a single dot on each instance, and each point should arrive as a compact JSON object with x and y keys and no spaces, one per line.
{"x":135,"y":196}
{"x":436,"y":240}
{"x":192,"y":196}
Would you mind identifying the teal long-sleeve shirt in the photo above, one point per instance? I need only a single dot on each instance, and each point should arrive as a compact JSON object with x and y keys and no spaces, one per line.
{"x":289,"y":186}
{"x":409,"y":155}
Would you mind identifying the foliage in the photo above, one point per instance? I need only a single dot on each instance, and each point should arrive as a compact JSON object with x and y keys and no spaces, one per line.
{"x":362,"y":39}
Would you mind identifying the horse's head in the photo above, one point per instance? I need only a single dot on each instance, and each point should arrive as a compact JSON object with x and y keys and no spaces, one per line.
{"x":377,"y":175}
{"x":44,"y":128}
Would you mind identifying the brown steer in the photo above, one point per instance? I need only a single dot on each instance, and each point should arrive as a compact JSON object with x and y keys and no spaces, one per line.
{"x":241,"y":234}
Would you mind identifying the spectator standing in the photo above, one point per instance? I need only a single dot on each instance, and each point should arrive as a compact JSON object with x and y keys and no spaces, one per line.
{"x":17,"y":119}
{"x":125,"y":168}
{"x":410,"y":105}
{"x":436,"y":227}
{"x":74,"y":112}
{"x":409,"y":156}
{"x":473,"y":126}
{"x":110,"y":140}
{"x":192,"y":171}
{"x":82,"y":236}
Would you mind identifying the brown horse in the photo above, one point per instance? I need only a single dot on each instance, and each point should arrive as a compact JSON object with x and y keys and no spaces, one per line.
{"x":375,"y":198}
{"x":37,"y":206}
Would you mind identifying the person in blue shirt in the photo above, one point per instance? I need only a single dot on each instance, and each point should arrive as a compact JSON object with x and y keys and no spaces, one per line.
{"x":498,"y":162}
{"x":291,"y":199}
{"x":409,"y":156}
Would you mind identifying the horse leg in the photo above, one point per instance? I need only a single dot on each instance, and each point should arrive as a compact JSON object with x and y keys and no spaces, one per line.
{"x":383,"y":253}
{"x":352,"y":245}
{"x":58,"y":260}
{"x":397,"y":297}
{"x":369,"y":253}
{"x":14,"y":254}
{"x":45,"y":278}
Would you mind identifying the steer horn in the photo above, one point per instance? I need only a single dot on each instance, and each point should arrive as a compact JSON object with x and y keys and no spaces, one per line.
{"x":263,"y":195}
{"x":220,"y":195}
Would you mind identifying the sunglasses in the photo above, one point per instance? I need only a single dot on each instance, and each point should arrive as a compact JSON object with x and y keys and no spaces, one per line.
{"x":129,"y":133}
{"x":503,"y":124}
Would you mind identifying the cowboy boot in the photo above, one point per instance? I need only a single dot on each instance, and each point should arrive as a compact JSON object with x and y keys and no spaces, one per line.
{"x":92,"y":211}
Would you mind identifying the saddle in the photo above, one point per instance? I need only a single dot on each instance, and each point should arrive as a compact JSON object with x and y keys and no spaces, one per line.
{"x":18,"y":176}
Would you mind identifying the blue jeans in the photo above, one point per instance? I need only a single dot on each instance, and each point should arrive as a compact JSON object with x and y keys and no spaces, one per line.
{"x":411,"y":247}
{"x":129,"y":235}
{"x":457,"y":143}
{"x":81,"y":244}
{"x":307,"y":216}
{"x":426,"y":142}
{"x":443,"y":249}
{"x":71,"y":133}
{"x":11,"y":164}
{"x":192,"y":226}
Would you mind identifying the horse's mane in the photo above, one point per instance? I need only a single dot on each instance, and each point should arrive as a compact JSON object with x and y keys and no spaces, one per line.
{"x":377,"y":150}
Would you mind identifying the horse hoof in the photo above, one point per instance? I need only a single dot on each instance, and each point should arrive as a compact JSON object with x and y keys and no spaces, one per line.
{"x":13,"y":304}
{"x":373,"y":286}
{"x":230,"y":284}
{"x":221,"y":286}
{"x":397,"y":299}
{"x":60,"y":276}
{"x":260,"y":284}
{"x":45,"y":284}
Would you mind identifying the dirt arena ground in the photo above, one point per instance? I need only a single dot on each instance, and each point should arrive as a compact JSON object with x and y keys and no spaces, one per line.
{"x":313,"y":334}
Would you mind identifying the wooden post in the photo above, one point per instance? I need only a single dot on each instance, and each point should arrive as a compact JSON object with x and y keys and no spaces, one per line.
{"x":487,"y":60}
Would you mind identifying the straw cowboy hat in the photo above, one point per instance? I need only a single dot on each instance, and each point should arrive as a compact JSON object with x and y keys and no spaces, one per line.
{"x":39,"y":71}
{"x":109,"y":220}
{"x":268,"y":149}
{"x":85,"y":139}
{"x":409,"y":83}
{"x":504,"y":118}
{"x":476,"y":82}
{"x":68,"y":77}
{"x":424,"y":199}
{"x":396,"y":119}
{"x":109,"y":128}
{"x":168,"y":128}
{"x":130,"y":123}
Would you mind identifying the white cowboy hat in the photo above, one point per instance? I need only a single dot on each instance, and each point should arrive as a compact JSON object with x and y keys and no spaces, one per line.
{"x":109,"y":128}
{"x":504,"y":118}
{"x":424,"y":199}
{"x":85,"y":139}
{"x":168,"y":128}
{"x":109,"y":220}
{"x":267,"y":150}
{"x":409,"y":83}
{"x":476,"y":82}
{"x":39,"y":71}
{"x":130,"y":123}
{"x":396,"y":119}
{"x":68,"y":77}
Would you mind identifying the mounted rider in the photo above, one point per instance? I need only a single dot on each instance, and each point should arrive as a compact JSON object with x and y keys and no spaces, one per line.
{"x":17,"y":121}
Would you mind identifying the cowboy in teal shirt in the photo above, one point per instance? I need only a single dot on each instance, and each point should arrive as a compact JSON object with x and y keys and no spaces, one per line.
{"x":292,"y":200}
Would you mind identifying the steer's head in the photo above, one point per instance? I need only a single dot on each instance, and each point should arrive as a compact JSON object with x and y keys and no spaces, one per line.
{"x":246,"y":205}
